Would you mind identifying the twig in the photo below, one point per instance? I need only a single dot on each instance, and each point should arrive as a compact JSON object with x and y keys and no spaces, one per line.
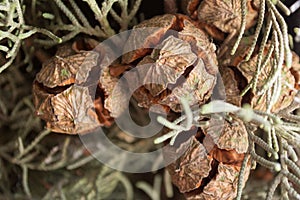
{"x":25,"y":181}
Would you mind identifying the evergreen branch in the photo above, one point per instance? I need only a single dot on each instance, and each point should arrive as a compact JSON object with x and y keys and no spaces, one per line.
{"x":266,"y":163}
{"x":25,"y":181}
{"x":241,"y":177}
{"x":243,"y":26}
{"x":101,"y":14}
{"x":273,"y":186}
{"x":258,"y":28}
{"x":259,"y":68}
{"x":290,"y":190}
{"x":80,"y":15}
{"x":67,"y":12}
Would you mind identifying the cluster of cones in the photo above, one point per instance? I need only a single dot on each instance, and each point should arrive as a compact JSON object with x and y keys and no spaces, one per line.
{"x":73,"y":93}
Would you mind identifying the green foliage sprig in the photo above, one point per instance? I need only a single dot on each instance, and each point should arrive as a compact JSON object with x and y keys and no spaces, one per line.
{"x":80,"y":23}
{"x":275,"y":25}
{"x":14,"y":28}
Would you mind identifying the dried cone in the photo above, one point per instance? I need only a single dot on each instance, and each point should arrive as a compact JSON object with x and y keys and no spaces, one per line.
{"x":240,"y":55}
{"x":210,"y":166}
{"x":62,"y":91}
{"x":295,"y":70}
{"x":242,"y":73}
{"x":231,"y":79}
{"x":190,"y":7}
{"x":231,"y":84}
{"x":226,"y":16}
{"x":287,"y":92}
{"x":226,"y":141}
{"x":114,"y":101}
{"x":171,"y":64}
{"x":223,"y":186}
{"x":192,"y":167}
